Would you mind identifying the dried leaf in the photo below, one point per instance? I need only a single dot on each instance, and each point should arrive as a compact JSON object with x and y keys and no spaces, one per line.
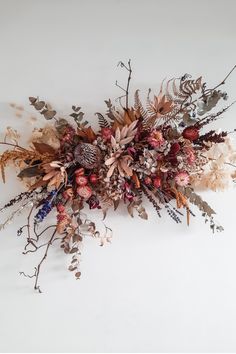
{"x":43,"y":148}
{"x":29,"y":172}
{"x":130,"y":209}
{"x":48,"y":114}
{"x":32,"y":99}
{"x":77,"y":275}
{"x":74,"y":250}
{"x":39,"y":105}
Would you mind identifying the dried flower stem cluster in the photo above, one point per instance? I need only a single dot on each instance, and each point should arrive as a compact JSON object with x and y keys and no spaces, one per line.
{"x":156,"y":151}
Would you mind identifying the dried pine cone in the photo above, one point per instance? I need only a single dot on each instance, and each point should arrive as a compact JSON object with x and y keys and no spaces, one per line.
{"x":87,"y":155}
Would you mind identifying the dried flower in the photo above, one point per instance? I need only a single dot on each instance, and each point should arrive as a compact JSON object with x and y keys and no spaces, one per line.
{"x":106,"y":134}
{"x":157,"y":182}
{"x":191,"y":133}
{"x":182,"y":178}
{"x":93,"y":178}
{"x":156,"y":139}
{"x":190,"y":155}
{"x":84,"y":192}
{"x":81,"y":180}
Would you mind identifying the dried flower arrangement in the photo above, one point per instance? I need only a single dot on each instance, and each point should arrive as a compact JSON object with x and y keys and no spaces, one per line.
{"x":157,"y":151}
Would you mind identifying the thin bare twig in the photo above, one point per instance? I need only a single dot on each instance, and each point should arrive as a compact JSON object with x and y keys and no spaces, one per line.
{"x":126,"y":90}
{"x":14,"y":145}
{"x":36,"y":286}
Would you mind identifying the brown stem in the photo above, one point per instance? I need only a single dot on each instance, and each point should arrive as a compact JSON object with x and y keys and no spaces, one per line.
{"x":15,"y":145}
{"x":29,"y":238}
{"x":126,"y":90}
{"x":128,"y":83}
{"x":36,"y":286}
{"x":42,"y":232}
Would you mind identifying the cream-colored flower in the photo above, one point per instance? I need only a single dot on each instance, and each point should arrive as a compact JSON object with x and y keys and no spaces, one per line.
{"x":217,"y":178}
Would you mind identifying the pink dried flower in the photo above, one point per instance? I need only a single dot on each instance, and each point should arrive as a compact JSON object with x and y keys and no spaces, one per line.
{"x":84,"y":192}
{"x":190,"y":155}
{"x":147,"y":181}
{"x":81,"y":180}
{"x":131,"y":150}
{"x":60,"y":208}
{"x":157,"y":182}
{"x":156,"y":139}
{"x":182,"y":178}
{"x":106,"y":134}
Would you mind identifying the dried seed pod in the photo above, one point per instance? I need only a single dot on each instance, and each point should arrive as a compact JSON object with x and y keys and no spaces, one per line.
{"x":87,"y":155}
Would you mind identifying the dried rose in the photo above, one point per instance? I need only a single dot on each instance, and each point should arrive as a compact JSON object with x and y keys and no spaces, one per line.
{"x":191,"y":133}
{"x":182,"y":178}
{"x":84,"y":192}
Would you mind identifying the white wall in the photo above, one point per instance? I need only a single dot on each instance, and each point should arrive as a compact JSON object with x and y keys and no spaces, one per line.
{"x":158,"y":286}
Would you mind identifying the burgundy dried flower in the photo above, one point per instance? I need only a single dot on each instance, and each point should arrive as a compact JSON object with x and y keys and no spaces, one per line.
{"x":93,"y":202}
{"x":93,"y":178}
{"x":175,"y":148}
{"x":191,"y":133}
{"x":147,"y":181}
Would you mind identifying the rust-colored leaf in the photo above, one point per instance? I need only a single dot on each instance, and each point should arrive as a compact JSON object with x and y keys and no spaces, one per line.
{"x":43,"y":148}
{"x":136,"y":180}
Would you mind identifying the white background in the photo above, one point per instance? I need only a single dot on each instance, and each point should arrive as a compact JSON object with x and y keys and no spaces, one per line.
{"x":158,"y":286}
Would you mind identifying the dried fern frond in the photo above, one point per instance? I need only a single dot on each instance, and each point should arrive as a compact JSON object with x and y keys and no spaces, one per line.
{"x":138,"y":106}
{"x":103,"y":123}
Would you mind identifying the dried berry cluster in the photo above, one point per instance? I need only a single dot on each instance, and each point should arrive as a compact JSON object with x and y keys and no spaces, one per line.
{"x":157,"y":151}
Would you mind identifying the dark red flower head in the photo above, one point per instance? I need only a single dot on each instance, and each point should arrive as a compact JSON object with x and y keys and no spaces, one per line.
{"x":174,"y":149}
{"x":191,"y":133}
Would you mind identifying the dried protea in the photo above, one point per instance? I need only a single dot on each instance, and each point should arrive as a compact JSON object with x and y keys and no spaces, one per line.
{"x":87,"y":155}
